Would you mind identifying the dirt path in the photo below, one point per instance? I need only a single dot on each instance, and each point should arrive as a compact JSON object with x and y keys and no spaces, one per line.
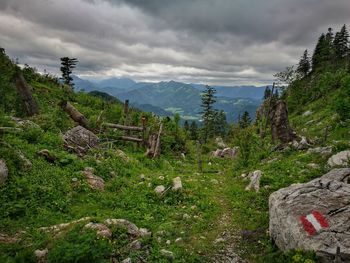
{"x":228,"y":233}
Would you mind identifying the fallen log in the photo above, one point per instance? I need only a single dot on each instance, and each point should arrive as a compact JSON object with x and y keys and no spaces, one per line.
{"x":123,"y":127}
{"x":131,"y":139}
{"x":74,"y":114}
{"x":24,"y":90}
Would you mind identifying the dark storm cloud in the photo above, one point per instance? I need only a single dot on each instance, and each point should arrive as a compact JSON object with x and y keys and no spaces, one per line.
{"x":213,"y":41}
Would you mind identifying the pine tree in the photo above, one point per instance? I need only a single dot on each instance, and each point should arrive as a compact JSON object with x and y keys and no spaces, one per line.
{"x":67,"y":65}
{"x":208,"y":113}
{"x":245,"y":121}
{"x":220,"y":123}
{"x":194,"y":131}
{"x":186,"y":126}
{"x":341,"y":43}
{"x":267,"y":93}
{"x":321,"y":53}
{"x":304,"y":64}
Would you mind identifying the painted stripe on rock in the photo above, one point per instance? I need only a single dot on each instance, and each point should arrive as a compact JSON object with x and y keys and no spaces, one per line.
{"x":314,"y":222}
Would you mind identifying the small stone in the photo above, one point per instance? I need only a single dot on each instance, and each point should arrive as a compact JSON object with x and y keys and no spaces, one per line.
{"x":94,"y":181}
{"x":178,"y":240}
{"x":219,"y":240}
{"x":321,"y":150}
{"x":186,"y":216}
{"x":47,"y":155}
{"x":214,"y":181}
{"x":193,"y":207}
{"x":161,"y":178}
{"x":254,"y":181}
{"x":167,"y":254}
{"x":142,"y":177}
{"x":159,"y":189}
{"x":127,"y":260}
{"x":41,"y":255}
{"x":143,"y":232}
{"x":135,"y":245}
{"x":177,"y":184}
{"x":313,"y":165}
{"x":168,"y":242}
{"x":149,"y":185}
{"x":122,"y":155}
{"x":307,"y":113}
{"x":74,"y":179}
{"x":113,"y":174}
{"x":161,"y":233}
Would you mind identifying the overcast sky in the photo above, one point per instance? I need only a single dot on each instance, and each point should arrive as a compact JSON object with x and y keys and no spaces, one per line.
{"x":231,"y":42}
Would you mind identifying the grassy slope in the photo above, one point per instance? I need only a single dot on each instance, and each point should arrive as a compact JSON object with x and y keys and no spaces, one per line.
{"x":46,"y":194}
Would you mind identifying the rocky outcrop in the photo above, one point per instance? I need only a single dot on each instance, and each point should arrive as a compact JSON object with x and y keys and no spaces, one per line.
{"x":4,"y":172}
{"x":314,"y":216}
{"x":339,"y":159}
{"x":80,"y":140}
{"x":230,"y":153}
{"x":280,"y":129}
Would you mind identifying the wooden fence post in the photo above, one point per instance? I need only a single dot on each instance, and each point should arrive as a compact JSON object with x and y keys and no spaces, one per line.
{"x":199,"y":155}
{"x":126,"y":115}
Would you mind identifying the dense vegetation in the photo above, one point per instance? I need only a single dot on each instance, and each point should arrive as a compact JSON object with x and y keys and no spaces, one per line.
{"x":212,"y":202}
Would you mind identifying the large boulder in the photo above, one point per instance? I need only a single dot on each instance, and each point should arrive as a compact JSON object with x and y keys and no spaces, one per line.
{"x":314,"y":216}
{"x":4,"y":172}
{"x":80,"y":140}
{"x":339,"y":159}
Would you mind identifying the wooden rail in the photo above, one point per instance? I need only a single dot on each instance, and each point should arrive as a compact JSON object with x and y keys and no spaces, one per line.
{"x":123,"y":127}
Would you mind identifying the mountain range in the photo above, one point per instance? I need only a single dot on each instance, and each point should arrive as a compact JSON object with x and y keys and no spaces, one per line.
{"x":169,"y":97}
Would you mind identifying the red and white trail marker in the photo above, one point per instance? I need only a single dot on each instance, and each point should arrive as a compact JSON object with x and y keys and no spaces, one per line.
{"x":313,"y":223}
